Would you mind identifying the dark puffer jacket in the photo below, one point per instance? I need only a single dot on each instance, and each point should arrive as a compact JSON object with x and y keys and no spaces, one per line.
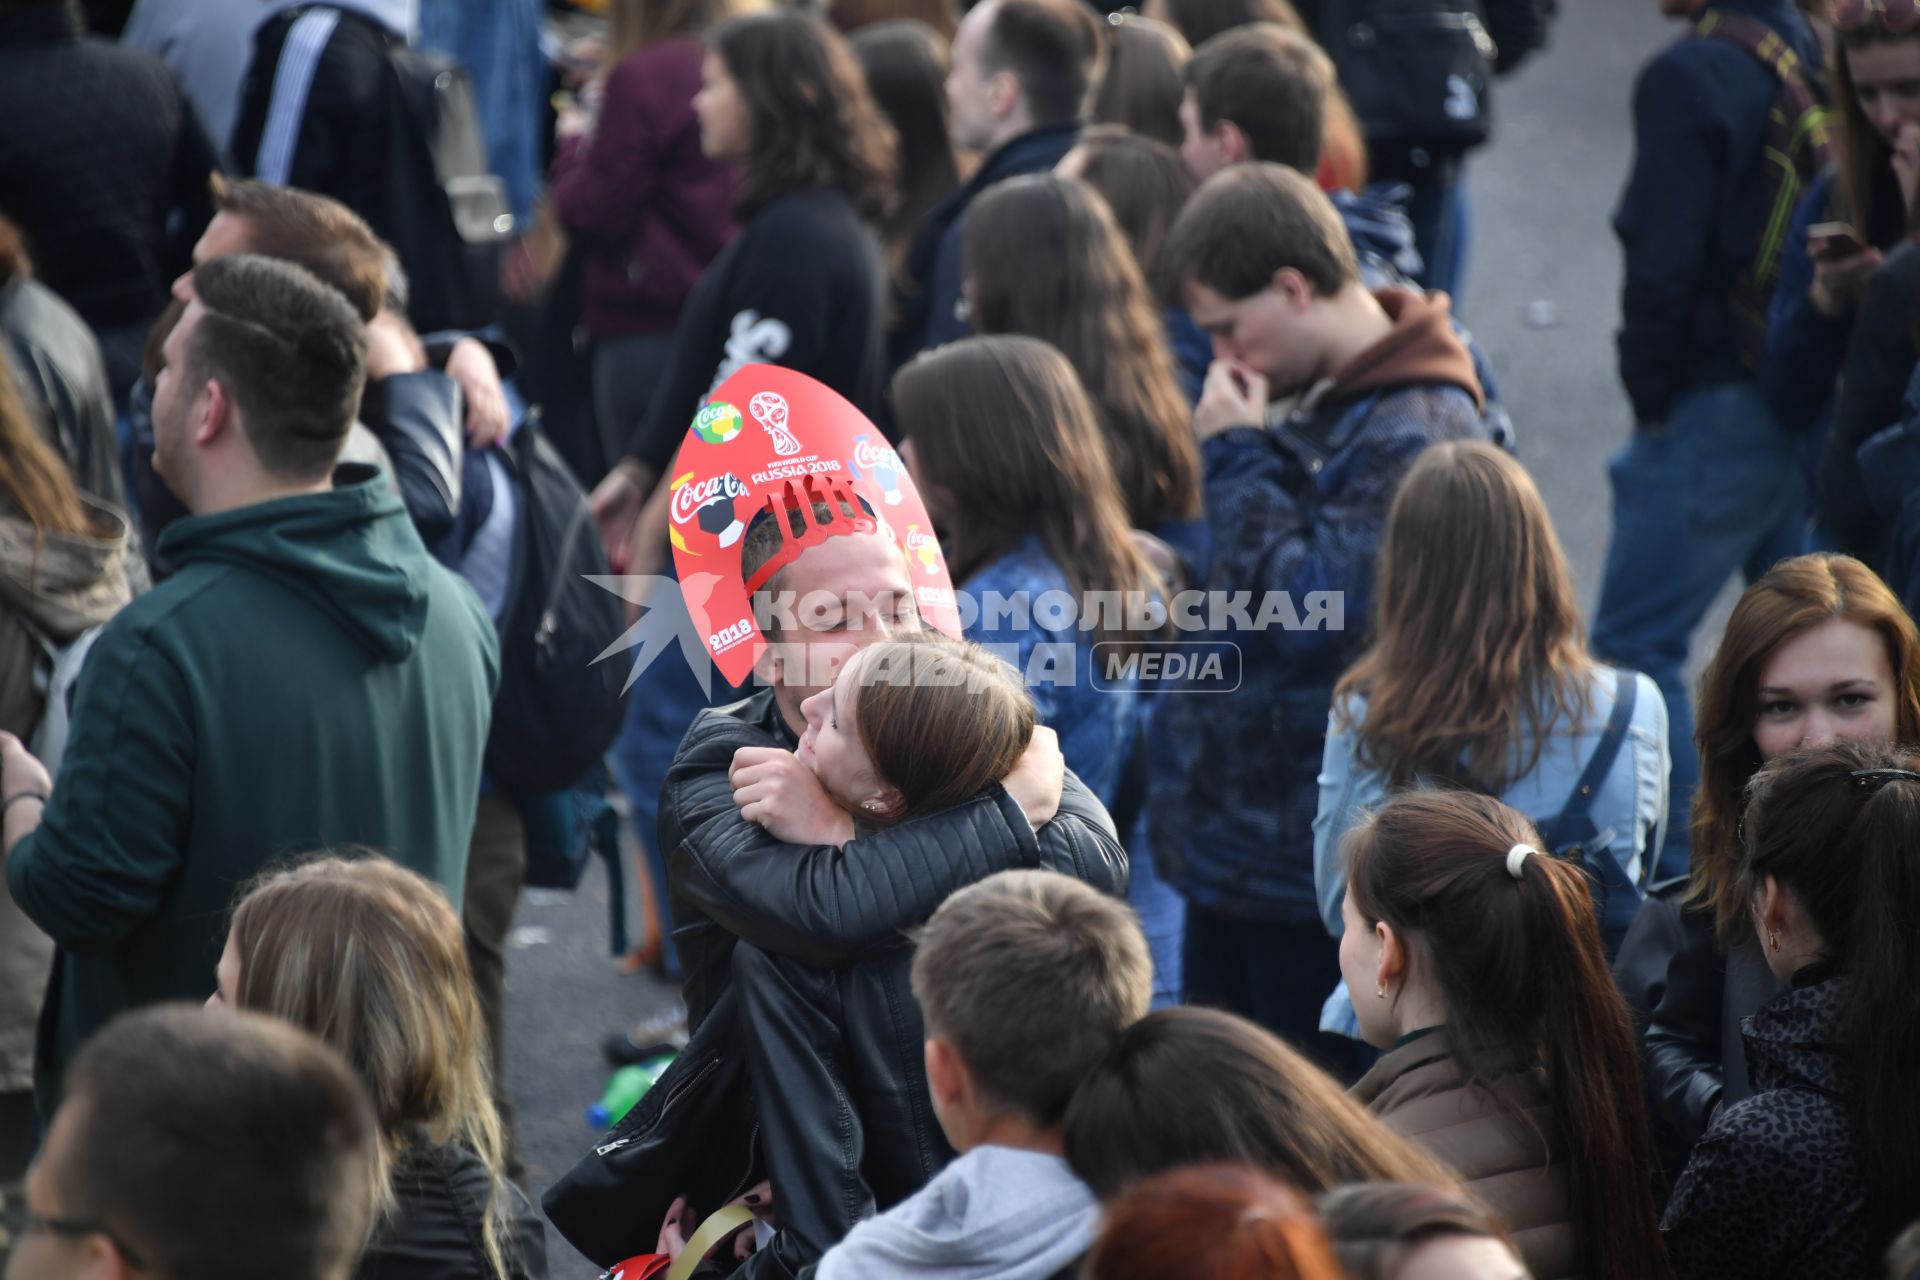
{"x":1775,"y":1188}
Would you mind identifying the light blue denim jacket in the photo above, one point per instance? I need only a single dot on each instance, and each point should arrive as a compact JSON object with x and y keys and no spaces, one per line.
{"x":1096,"y":719}
{"x":1632,"y":800}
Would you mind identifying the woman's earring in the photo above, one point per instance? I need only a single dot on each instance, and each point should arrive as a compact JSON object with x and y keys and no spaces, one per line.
{"x":1381,"y":991}
{"x":1773,"y":940}
{"x":871,"y":806}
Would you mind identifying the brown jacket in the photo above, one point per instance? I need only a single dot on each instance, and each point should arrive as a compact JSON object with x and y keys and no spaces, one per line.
{"x":1517,"y":1166}
{"x":59,"y":587}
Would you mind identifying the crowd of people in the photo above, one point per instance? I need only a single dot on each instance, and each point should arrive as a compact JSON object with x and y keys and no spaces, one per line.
{"x":348,"y":344}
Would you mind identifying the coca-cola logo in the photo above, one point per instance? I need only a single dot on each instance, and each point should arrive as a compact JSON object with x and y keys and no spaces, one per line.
{"x":918,"y":542}
{"x":690,"y":496}
{"x":869,"y":454}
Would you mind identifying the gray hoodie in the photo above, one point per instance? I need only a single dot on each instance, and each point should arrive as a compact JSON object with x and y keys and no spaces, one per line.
{"x":993,"y":1214}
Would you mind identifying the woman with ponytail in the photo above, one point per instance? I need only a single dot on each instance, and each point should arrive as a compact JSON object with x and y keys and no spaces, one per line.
{"x":1815,"y":1173}
{"x":1476,"y":963}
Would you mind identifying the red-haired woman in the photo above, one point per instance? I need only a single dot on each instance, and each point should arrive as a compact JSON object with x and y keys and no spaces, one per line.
{"x":1226,"y":1222}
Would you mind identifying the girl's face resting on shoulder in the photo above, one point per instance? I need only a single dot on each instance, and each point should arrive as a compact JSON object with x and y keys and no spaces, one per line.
{"x":831,"y":745}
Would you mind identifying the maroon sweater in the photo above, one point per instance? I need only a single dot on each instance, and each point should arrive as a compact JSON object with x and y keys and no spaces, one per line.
{"x":646,"y":208}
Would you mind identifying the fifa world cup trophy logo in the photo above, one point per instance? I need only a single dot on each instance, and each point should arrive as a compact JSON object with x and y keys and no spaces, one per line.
{"x":770,"y":411}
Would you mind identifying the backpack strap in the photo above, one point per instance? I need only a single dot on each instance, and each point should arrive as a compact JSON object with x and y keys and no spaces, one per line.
{"x":306,"y":41}
{"x":1756,"y":37}
{"x":1796,"y":147}
{"x":1626,"y":690}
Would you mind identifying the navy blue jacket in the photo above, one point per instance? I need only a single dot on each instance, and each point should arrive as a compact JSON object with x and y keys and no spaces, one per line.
{"x":1691,"y":218}
{"x":929,"y":304}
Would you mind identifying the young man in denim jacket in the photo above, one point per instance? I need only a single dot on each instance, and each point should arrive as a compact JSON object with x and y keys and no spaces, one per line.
{"x":1320,"y":395}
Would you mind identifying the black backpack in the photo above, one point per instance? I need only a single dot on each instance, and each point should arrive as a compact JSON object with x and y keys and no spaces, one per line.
{"x":1572,"y":836}
{"x":447,"y":212}
{"x":557,"y":710}
{"x":1418,"y":73}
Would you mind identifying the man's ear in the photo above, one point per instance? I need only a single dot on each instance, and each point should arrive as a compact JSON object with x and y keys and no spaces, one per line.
{"x":1231,"y":142}
{"x":1003,"y":94}
{"x":212,"y":413}
{"x":947,"y":1078}
{"x":1293,"y":288}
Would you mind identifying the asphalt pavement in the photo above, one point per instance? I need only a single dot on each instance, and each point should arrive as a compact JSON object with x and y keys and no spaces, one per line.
{"x":1542,"y":296}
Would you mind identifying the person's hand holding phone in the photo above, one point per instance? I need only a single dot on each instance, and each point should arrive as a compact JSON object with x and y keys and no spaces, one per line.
{"x":1842,"y":264}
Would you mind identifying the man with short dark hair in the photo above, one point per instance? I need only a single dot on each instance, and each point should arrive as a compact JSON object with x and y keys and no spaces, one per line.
{"x":1023,"y":71}
{"x":203,"y":1144}
{"x":1320,"y":395}
{"x":1257,"y":92}
{"x":308,"y":677}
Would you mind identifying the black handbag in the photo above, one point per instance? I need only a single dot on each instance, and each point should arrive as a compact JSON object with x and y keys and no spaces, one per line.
{"x":1418,"y":73}
{"x":695,"y":1133}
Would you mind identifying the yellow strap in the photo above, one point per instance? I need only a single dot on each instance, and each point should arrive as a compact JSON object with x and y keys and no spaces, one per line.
{"x":711,"y":1232}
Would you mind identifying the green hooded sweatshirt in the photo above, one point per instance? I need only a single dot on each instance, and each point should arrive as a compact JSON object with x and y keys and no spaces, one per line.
{"x":308,"y":678}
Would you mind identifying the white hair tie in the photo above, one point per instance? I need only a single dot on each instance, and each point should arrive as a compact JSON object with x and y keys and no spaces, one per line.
{"x":1517,"y":857}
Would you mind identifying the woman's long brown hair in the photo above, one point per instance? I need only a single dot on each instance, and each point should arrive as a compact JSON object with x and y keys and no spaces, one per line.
{"x":1004,"y":428}
{"x":1866,"y":186}
{"x":1477,"y":651}
{"x":370,"y":957}
{"x":1145,"y":186}
{"x":1795,"y":595}
{"x":1141,"y":88}
{"x":1140,"y":1113}
{"x":1845,"y":848}
{"x":1044,"y":257}
{"x":34,"y":481}
{"x":812,"y":123}
{"x":906,"y":64}
{"x":942,"y":720}
{"x":1520,"y":967}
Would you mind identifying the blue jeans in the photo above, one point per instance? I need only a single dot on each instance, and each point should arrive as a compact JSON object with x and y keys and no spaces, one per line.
{"x":1717,"y":488}
{"x":1162,"y":912}
{"x":1442,"y":227}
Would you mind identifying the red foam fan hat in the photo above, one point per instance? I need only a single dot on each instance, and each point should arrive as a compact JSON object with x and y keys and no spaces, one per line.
{"x":769,"y":440}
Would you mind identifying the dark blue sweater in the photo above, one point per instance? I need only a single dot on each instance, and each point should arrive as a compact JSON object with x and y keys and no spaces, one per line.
{"x":1691,"y":217}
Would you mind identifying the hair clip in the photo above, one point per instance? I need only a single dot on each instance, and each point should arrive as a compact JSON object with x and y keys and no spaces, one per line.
{"x":1874,"y":779}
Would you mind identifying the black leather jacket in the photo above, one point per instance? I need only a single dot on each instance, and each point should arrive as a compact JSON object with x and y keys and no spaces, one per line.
{"x":434,"y":1233}
{"x":1694,"y":999}
{"x":828,"y":926}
